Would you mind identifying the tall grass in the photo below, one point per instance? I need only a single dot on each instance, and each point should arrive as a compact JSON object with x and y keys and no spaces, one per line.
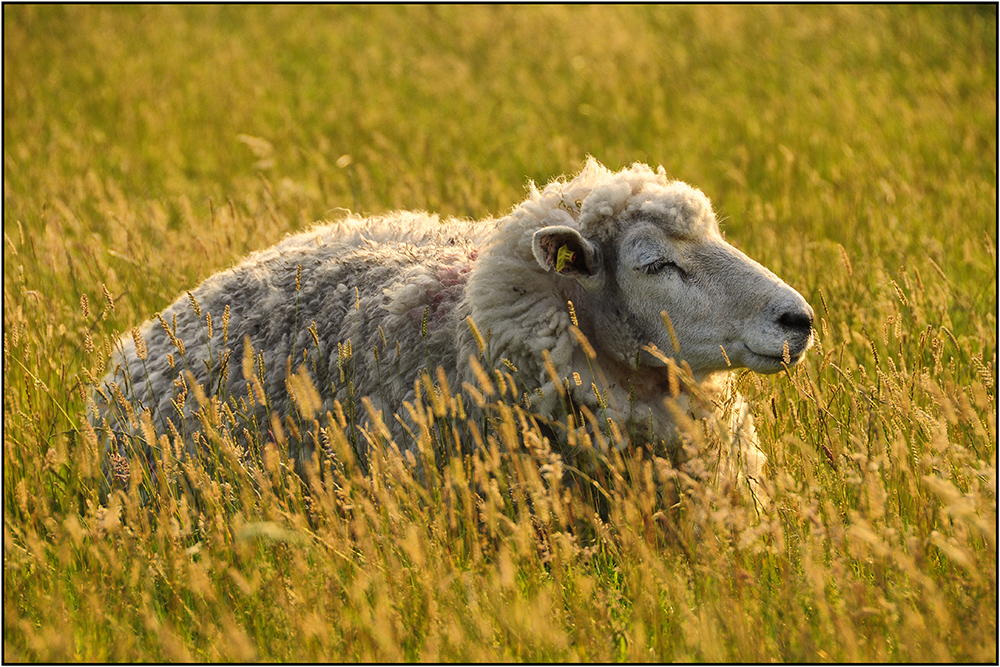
{"x":850,"y":149}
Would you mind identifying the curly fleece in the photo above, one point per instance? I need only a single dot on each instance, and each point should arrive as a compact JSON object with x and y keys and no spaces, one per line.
{"x":411,"y":280}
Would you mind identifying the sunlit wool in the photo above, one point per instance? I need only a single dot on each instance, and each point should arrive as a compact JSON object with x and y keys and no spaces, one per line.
{"x":622,"y":247}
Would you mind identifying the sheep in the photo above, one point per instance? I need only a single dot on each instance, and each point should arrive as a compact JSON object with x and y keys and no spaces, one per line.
{"x":621,"y":277}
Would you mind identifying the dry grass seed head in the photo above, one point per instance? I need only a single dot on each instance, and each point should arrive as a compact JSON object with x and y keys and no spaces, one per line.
{"x":501,"y":385}
{"x":194,"y":305}
{"x":177,"y":342}
{"x":445,"y":389}
{"x":434,"y":394}
{"x":477,"y":397}
{"x":225,"y":324}
{"x":581,"y":339}
{"x":304,"y":393}
{"x":485,"y":384}
{"x":140,"y":343}
{"x":550,"y":369}
{"x":847,"y":262}
{"x":107,"y":297}
{"x":480,"y":343}
{"x":315,"y":333}
{"x":670,"y":330}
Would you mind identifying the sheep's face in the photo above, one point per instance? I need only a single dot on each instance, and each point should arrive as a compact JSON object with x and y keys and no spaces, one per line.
{"x":722,"y":304}
{"x":726,"y":309}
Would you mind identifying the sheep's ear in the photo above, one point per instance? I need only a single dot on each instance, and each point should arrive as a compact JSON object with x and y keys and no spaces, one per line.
{"x":564,"y":250}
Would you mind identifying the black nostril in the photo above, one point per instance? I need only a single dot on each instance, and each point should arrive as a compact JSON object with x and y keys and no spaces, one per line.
{"x":798,"y":320}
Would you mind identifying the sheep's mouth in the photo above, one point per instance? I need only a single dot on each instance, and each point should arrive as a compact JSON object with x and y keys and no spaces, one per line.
{"x":792,"y":354}
{"x":769,"y":363}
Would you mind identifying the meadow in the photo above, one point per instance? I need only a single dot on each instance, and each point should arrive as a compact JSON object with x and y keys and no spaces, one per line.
{"x":852,"y":150}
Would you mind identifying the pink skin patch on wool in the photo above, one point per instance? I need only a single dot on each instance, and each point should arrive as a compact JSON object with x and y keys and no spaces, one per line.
{"x":445,"y":293}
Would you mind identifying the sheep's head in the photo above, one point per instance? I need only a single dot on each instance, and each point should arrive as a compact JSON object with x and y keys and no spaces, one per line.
{"x":642,"y":246}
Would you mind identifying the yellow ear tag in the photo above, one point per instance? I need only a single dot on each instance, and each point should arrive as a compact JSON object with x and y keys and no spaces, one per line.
{"x":562,"y":257}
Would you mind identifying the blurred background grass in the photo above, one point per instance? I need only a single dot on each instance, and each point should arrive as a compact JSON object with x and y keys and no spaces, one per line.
{"x":851,"y":149}
{"x":872,"y":128}
{"x":857,"y":124}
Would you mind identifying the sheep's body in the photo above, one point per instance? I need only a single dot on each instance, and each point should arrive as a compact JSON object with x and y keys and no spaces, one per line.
{"x":360,"y":282}
{"x":411,"y":279}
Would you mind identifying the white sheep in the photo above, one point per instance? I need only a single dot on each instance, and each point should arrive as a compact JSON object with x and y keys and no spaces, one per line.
{"x":387,"y":298}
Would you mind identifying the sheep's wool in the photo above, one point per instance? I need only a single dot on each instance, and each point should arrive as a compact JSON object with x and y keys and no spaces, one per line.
{"x":366,"y":305}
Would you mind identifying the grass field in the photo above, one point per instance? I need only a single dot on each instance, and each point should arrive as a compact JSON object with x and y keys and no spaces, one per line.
{"x":850,"y":149}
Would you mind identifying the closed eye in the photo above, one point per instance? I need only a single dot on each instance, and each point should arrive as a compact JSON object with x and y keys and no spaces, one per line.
{"x":661,"y":265}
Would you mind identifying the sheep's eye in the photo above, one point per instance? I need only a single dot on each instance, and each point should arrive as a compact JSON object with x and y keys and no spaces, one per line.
{"x":661,"y":265}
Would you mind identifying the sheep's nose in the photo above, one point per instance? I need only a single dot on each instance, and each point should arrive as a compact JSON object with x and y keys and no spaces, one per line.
{"x":798,"y":319}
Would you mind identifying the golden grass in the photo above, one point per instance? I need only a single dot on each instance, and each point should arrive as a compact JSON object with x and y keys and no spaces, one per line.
{"x":850,"y":149}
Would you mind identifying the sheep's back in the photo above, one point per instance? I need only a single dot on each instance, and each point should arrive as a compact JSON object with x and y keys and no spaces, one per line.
{"x":319,"y":300}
